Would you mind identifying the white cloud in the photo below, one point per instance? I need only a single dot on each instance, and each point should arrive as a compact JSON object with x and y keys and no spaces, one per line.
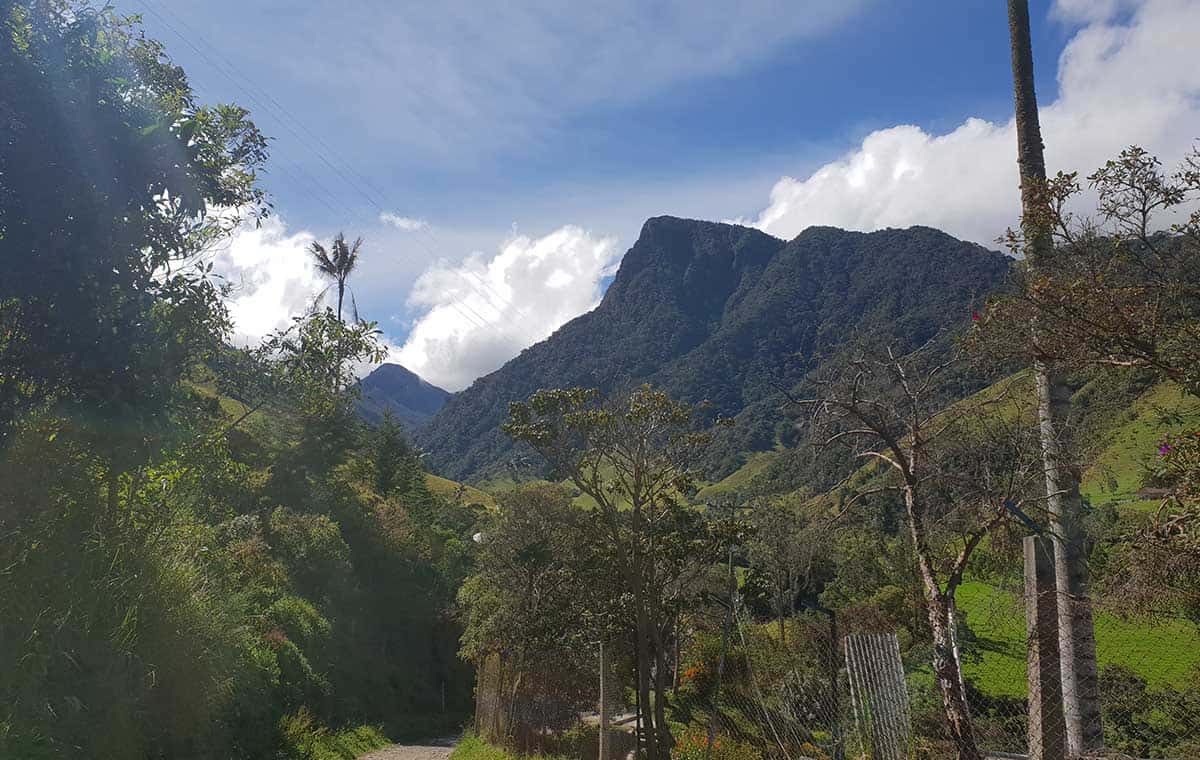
{"x":1089,"y":10}
{"x":406,"y":223}
{"x":272,"y":276}
{"x":1121,"y":82}
{"x":481,"y":312}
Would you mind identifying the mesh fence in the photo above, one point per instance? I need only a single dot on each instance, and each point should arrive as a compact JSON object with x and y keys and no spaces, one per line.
{"x":577,"y":706}
{"x":847,"y":685}
{"x":1149,"y":675}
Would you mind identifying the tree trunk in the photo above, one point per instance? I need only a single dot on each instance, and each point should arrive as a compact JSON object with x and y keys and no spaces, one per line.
{"x":1076,"y":629}
{"x":1077,"y":644}
{"x":948,"y":671}
{"x":675,"y":668}
{"x":665,"y":740}
{"x":649,"y":729}
{"x":341,"y":295}
{"x":939,"y":607}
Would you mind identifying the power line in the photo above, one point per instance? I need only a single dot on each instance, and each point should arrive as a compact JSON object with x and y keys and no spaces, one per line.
{"x":286,"y":119}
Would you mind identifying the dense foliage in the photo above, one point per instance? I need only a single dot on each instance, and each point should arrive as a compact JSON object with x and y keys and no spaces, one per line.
{"x":726,"y":314}
{"x":202,"y":552}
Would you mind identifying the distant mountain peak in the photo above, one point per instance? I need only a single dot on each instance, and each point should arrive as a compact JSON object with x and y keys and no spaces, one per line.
{"x":394,"y":387}
{"x":713,"y":311}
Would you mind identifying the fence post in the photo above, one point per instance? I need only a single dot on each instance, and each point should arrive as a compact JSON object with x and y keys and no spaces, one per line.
{"x":1047,"y":727}
{"x":602,"y":742}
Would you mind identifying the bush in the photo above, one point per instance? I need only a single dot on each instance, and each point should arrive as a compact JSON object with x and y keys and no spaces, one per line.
{"x":471,"y":747}
{"x":693,"y":745}
{"x":304,"y":738}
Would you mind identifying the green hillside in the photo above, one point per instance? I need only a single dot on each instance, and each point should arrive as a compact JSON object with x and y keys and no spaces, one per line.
{"x":1165,"y":654}
{"x":1118,"y":469}
{"x":448,"y":489}
{"x":722,"y":313}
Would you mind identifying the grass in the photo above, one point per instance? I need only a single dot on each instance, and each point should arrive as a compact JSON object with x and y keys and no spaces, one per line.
{"x":306,"y":739}
{"x":448,"y":488}
{"x":473,"y":748}
{"x":1165,"y":653}
{"x":740,"y":478}
{"x":1117,"y":471}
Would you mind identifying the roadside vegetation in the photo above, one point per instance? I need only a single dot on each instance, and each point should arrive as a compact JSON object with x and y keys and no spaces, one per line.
{"x":203,"y":552}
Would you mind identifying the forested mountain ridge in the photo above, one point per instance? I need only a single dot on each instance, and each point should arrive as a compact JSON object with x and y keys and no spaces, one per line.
{"x":394,"y":387}
{"x":725,"y":313}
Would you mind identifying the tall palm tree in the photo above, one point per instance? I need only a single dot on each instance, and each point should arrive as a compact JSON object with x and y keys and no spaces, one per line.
{"x":1077,"y":642}
{"x":337,"y":263}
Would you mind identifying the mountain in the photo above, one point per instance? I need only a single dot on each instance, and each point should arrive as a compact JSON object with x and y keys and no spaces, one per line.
{"x":727,"y":314}
{"x":411,"y":399}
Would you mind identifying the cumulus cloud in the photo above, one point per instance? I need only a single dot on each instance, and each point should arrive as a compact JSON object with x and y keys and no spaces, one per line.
{"x":1128,"y":75}
{"x":406,"y":223}
{"x":272,"y":276}
{"x":481,"y":312}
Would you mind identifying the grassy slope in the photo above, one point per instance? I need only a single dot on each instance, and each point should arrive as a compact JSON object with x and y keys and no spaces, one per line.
{"x":448,"y":488}
{"x":1117,"y":470}
{"x":1165,"y":654}
{"x":739,"y":478}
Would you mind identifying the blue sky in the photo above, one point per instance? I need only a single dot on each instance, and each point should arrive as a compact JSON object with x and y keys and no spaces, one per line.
{"x":525,"y":143}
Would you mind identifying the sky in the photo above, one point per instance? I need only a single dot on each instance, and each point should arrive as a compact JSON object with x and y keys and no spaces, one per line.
{"x":498,"y":157}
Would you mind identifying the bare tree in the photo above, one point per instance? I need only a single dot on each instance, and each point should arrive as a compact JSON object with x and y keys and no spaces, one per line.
{"x":962,"y":472}
{"x":1077,"y":642}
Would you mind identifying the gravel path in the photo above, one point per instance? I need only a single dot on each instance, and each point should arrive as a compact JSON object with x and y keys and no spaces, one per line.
{"x":440,"y":751}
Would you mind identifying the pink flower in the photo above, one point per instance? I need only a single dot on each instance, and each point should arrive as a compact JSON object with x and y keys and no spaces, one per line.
{"x":1164,"y":449}
{"x":974,"y":316}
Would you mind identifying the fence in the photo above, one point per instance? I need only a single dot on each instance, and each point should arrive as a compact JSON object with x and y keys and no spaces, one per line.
{"x":573,"y":706}
{"x":848,"y":686}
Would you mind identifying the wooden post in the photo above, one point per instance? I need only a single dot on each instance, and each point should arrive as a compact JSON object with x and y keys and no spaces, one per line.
{"x":602,"y":754}
{"x":1047,"y":726}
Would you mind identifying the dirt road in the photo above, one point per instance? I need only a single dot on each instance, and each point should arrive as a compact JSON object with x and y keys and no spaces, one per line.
{"x":412,"y":752}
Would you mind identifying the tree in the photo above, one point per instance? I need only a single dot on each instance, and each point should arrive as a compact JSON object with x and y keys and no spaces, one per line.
{"x":961,"y":473}
{"x":526,"y":594}
{"x":337,"y":263}
{"x":394,"y":462}
{"x":110,"y":170}
{"x":312,"y":362}
{"x":1123,"y":292}
{"x":1077,"y":640}
{"x":785,"y":549}
{"x":635,"y":459}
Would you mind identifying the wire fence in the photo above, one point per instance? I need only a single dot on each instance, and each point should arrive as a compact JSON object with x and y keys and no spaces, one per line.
{"x":847,"y":685}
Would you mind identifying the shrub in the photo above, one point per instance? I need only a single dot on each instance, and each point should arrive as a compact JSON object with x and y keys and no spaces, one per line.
{"x":693,"y":745}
